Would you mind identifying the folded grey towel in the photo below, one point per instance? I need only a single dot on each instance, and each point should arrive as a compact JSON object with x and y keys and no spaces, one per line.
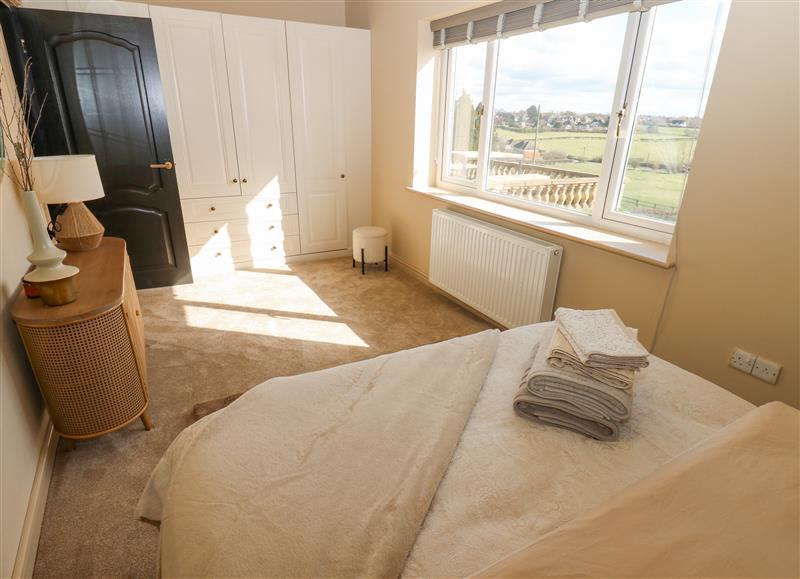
{"x":544,"y":411}
{"x":560,"y":354}
{"x":568,"y":399}
{"x":600,"y":339}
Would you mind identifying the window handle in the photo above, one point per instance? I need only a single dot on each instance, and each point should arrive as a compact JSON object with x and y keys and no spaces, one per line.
{"x":478,"y":115}
{"x":620,"y":117}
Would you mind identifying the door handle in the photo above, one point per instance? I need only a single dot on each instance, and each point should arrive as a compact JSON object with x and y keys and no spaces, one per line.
{"x":620,"y":117}
{"x":168,"y":165}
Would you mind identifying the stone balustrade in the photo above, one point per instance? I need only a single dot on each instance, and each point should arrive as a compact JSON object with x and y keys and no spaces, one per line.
{"x":549,"y":185}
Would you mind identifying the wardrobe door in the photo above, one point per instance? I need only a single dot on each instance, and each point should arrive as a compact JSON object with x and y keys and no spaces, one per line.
{"x":316,"y":83}
{"x":258,"y":76}
{"x":358,"y":124}
{"x":191,"y":55}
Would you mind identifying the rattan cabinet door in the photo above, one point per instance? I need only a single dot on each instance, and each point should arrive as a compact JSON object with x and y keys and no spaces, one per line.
{"x":88,"y":373}
{"x":89,"y":355}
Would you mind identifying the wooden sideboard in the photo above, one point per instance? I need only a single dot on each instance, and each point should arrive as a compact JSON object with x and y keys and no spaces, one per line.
{"x":89,"y":356}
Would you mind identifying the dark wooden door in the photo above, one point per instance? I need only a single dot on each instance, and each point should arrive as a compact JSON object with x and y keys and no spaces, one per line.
{"x":104,"y":97}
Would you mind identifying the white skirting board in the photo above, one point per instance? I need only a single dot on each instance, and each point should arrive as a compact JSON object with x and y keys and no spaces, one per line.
{"x":32,"y":527}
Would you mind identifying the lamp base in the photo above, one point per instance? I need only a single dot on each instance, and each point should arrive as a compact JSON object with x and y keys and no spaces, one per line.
{"x":86,"y":243}
{"x":79,"y":229}
{"x":48,"y":259}
{"x":57,"y":292}
{"x":45,"y":273}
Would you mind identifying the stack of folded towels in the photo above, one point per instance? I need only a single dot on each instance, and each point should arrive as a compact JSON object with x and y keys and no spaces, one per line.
{"x":583,"y":380}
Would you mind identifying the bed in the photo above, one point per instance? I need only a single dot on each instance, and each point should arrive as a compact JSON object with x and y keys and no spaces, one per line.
{"x":409,"y":464}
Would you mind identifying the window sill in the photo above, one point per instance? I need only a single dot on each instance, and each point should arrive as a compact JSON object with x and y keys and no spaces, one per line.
{"x":647,"y":251}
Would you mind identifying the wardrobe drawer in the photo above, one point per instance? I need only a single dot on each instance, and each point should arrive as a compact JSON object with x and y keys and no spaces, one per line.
{"x":225,"y":208}
{"x":244,"y":251}
{"x":224,"y":232}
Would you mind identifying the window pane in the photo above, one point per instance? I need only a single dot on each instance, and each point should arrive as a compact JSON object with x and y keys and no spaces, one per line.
{"x":683,"y":54}
{"x":468,"y":63}
{"x":553,"y":98}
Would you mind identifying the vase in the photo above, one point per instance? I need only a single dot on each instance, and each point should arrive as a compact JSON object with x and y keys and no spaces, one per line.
{"x":47,"y":258}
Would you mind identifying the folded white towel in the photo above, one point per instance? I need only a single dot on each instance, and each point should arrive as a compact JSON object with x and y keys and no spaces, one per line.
{"x":568,"y":399}
{"x":600,"y":339}
{"x":562,"y":355}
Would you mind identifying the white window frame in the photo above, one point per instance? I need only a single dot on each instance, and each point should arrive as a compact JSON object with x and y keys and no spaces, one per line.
{"x":620,"y":147}
{"x":615,"y":157}
{"x":446,"y":136}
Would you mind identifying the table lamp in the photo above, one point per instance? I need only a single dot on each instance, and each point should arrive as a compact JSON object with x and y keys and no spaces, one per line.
{"x":71,"y":180}
{"x":56,"y":180}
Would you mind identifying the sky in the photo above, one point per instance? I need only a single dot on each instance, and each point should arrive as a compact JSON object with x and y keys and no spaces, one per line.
{"x":575,"y":67}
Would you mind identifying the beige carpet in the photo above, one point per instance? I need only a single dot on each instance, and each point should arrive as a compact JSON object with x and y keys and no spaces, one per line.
{"x":213,"y":339}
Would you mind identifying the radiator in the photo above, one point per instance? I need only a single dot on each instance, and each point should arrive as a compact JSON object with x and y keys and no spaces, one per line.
{"x":509,"y":277}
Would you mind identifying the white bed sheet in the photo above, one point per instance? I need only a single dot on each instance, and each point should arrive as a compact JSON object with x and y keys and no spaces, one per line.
{"x":511,"y":481}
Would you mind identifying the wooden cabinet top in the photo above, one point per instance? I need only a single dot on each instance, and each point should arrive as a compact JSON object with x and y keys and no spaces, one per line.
{"x":100,"y":284}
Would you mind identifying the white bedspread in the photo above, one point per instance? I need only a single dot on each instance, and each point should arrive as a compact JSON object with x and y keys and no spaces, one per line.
{"x":509,"y":480}
{"x":326,"y":474}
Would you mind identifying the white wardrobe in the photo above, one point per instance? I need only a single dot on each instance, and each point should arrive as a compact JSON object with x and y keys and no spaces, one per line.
{"x":270,"y":128}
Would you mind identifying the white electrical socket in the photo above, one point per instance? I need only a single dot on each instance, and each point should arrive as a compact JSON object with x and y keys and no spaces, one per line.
{"x":742,"y":360}
{"x":766,"y":370}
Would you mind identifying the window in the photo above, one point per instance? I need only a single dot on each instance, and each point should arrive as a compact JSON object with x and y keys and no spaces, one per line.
{"x":549,"y":131}
{"x":680,"y":62}
{"x":595,"y":119}
{"x":467,"y":67}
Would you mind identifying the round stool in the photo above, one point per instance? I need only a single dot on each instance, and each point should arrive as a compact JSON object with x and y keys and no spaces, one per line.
{"x":369,"y":246}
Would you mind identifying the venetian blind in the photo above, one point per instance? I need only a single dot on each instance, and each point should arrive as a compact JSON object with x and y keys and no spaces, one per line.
{"x":511,"y":17}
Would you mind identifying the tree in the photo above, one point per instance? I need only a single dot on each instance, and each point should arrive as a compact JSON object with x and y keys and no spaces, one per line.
{"x":532,"y":114}
{"x":504,"y":118}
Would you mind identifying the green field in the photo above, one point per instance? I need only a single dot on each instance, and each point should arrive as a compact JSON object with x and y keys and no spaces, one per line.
{"x":664,"y":152}
{"x":647,"y":186}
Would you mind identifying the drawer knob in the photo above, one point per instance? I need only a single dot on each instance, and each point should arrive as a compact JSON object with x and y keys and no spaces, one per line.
{"x":218,"y":254}
{"x":244,"y":180}
{"x":273,"y":248}
{"x":216,"y":231}
{"x":236,"y":180}
{"x":341,"y":176}
{"x":138,"y":313}
{"x":269,"y":205}
{"x":271,"y":227}
{"x":212,"y":208}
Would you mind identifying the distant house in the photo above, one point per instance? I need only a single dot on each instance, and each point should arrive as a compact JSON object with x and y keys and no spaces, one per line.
{"x":678,"y":123}
{"x":523,"y":148}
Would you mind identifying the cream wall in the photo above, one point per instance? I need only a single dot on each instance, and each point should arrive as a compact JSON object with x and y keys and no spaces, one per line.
{"x":22,"y":415}
{"x":701,"y":324}
{"x":317,"y":11}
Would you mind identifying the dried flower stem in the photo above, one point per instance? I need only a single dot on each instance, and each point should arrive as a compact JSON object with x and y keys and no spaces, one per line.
{"x":15,"y":120}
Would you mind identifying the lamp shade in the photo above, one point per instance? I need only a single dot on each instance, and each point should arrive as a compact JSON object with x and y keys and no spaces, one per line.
{"x":66,"y":179}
